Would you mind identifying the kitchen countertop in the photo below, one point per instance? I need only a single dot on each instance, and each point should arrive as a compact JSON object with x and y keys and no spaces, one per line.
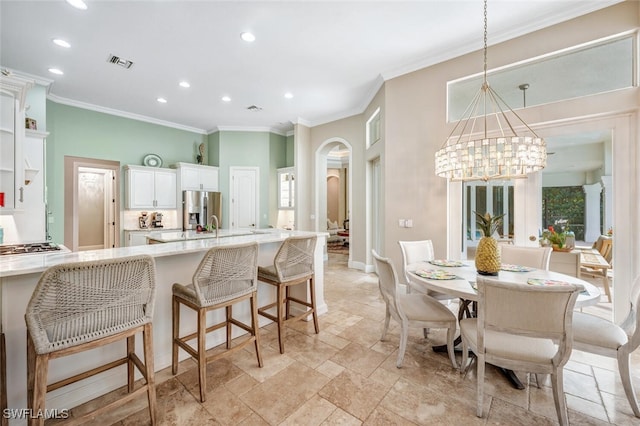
{"x":173,"y":236}
{"x":175,"y":245}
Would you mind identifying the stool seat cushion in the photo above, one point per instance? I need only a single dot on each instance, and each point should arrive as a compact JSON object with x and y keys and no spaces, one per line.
{"x":295,"y":273}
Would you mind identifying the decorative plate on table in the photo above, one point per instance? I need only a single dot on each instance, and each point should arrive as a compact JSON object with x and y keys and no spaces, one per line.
{"x":543,"y":281}
{"x":152,"y":160}
{"x":448,"y":263}
{"x":516,"y":268}
{"x":435,"y":274}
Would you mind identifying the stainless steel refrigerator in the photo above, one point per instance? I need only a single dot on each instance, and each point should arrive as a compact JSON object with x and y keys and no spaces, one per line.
{"x":198,"y":207}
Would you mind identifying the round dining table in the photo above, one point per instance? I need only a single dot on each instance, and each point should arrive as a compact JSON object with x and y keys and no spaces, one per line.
{"x":458,"y":279}
{"x":463,"y":285}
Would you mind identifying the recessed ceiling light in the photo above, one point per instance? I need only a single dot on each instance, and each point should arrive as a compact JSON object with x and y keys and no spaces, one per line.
{"x":248,"y":37}
{"x":288,"y":95}
{"x":226,"y":99}
{"x":60,"y":42}
{"x":55,"y":71}
{"x":78,"y":4}
{"x":162,"y":100}
{"x":184,"y":84}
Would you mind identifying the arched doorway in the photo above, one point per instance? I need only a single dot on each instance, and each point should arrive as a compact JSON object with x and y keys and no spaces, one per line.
{"x":333,"y":161}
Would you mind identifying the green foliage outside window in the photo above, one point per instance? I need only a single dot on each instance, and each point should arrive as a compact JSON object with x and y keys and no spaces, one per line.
{"x":564,"y":203}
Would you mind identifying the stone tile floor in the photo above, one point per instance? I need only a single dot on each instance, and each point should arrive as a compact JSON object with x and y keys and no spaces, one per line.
{"x":347,"y":376}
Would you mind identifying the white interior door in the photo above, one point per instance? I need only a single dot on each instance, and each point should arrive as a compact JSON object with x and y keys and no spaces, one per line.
{"x":244,"y":197}
{"x":95,"y":209}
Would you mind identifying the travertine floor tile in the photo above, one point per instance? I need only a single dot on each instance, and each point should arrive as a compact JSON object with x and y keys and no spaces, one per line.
{"x":354,"y":393}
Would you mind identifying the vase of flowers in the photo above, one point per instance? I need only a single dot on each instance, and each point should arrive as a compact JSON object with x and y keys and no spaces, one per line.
{"x":558,"y":239}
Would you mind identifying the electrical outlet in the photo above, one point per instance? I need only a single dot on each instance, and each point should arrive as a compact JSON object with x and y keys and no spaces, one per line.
{"x":408,"y":223}
{"x":401,"y":223}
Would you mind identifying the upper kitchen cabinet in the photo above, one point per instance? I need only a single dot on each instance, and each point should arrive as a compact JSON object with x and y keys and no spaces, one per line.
{"x":195,"y":177}
{"x":286,"y":188}
{"x":13,"y":91}
{"x":150,"y":188}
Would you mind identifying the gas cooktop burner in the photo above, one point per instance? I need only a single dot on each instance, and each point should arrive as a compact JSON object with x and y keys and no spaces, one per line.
{"x":27,"y":248}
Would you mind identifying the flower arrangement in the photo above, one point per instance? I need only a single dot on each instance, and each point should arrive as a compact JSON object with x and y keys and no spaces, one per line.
{"x":554,"y":237}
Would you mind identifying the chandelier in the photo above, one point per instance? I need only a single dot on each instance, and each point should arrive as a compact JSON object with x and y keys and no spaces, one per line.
{"x":475,"y":155}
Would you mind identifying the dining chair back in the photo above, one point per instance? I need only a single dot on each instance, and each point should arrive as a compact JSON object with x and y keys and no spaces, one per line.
{"x":511,"y":332}
{"x":81,"y":306}
{"x":414,"y":309}
{"x":604,"y":244}
{"x":534,"y":257}
{"x":414,"y":253}
{"x":599,"y":336}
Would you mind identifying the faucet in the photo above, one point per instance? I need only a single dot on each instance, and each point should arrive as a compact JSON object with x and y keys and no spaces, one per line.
{"x":215,"y":220}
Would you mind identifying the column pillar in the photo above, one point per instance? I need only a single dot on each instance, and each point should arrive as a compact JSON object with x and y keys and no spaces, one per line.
{"x":607,"y":188}
{"x":592,"y":211}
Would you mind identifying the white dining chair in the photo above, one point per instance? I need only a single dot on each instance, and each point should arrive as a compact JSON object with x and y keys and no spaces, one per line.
{"x":511,"y":332}
{"x":600,"y":336}
{"x":414,"y":253}
{"x":415,"y":309}
{"x":534,"y":257}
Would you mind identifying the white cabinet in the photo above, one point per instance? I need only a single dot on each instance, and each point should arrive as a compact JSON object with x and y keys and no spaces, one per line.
{"x":135,"y":238}
{"x":150,"y":188}
{"x":13,"y":91}
{"x":286,"y":188}
{"x":195,"y":177}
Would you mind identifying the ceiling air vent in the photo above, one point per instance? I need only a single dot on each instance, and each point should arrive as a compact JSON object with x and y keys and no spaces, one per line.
{"x":119,"y":61}
{"x":254,"y":108}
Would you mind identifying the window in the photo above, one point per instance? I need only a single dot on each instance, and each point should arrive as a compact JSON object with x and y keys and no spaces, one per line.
{"x":373,"y":128}
{"x":596,"y":67}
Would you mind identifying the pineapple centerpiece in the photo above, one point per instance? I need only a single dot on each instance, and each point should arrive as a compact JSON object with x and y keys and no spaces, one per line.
{"x":487,"y":252}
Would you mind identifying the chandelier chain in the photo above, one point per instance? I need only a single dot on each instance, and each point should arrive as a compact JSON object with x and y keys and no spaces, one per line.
{"x":485,"y":41}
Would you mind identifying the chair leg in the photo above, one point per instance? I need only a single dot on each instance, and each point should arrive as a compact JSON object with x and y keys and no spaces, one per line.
{"x":465,"y":356}
{"x":287,"y":302}
{"x":256,"y":327}
{"x":279,"y":314}
{"x":625,"y":376}
{"x":557,"y":386}
{"x":385,"y":328}
{"x":403,"y":343}
{"x":480,"y":378}
{"x":147,"y":340}
{"x":175,"y":315}
{"x":31,"y":370}
{"x":202,"y":355}
{"x":131,"y":348}
{"x":450,"y":349}
{"x":312,"y":289}
{"x":41,"y":368}
{"x":229,"y":312}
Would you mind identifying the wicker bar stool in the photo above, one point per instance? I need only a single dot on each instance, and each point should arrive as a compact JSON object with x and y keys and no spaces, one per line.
{"x":226,"y":275}
{"x":84,"y":305}
{"x":292,"y":265}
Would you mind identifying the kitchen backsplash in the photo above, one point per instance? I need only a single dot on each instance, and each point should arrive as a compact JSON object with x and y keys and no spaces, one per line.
{"x":130,"y":219}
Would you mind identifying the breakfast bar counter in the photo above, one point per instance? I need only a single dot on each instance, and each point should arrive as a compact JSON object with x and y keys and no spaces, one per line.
{"x":175,"y":262}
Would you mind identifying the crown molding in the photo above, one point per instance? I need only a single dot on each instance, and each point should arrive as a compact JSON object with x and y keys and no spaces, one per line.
{"x":262,"y":129}
{"x":124,"y":114}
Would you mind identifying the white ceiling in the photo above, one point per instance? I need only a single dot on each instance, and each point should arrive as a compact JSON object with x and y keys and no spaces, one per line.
{"x":332,"y":55}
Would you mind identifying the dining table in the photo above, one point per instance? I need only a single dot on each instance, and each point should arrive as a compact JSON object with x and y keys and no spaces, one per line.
{"x":458,"y":278}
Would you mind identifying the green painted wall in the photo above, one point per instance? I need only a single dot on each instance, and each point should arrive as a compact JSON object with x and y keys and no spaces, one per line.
{"x":84,"y":133}
{"x":290,"y":151}
{"x":214,"y":149}
{"x":251,"y":149}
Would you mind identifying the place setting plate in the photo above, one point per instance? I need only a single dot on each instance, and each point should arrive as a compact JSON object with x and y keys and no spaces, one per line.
{"x":544,"y":281}
{"x":515,"y":268}
{"x":152,"y":160}
{"x":447,"y":263}
{"x":435,"y":274}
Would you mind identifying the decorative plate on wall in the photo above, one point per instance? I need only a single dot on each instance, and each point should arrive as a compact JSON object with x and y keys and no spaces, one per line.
{"x":152,"y":160}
